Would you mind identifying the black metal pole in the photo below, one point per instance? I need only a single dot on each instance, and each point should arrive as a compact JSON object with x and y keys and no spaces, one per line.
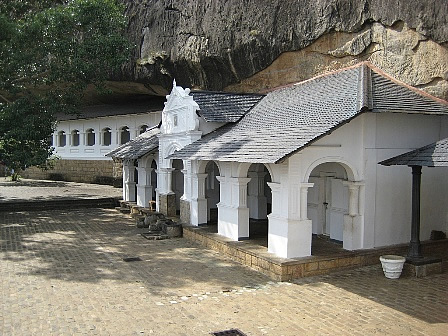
{"x":414,"y":245}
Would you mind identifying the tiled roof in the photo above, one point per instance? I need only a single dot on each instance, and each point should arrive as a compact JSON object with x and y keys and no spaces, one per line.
{"x":287,"y":120}
{"x":145,"y":143}
{"x":433,"y":155}
{"x":224,"y":107}
{"x":138,"y":106}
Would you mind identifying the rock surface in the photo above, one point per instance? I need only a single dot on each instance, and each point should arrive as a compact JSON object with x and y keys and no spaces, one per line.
{"x":254,"y":45}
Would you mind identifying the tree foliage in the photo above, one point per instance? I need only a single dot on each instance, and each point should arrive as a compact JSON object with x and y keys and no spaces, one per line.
{"x":50,"y":51}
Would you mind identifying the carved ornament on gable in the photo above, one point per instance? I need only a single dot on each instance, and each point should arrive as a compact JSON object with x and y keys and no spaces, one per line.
{"x":179,"y":114}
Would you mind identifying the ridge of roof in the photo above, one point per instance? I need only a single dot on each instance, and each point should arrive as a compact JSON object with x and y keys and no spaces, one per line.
{"x":363,"y":65}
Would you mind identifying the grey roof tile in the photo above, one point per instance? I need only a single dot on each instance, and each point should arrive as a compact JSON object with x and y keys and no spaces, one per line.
{"x":145,"y":143}
{"x":287,"y":120}
{"x":224,"y":107}
{"x":433,"y":155}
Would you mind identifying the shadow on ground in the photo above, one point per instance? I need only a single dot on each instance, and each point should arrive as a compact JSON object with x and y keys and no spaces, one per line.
{"x":89,"y":245}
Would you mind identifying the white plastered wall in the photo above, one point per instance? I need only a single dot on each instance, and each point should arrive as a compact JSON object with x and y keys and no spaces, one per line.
{"x":97,"y":151}
{"x":396,"y":134}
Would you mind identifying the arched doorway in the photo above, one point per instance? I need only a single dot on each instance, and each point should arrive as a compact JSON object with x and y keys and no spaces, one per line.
{"x":177,"y":183}
{"x":328,"y":200}
{"x":212,"y":192}
{"x":259,"y":201}
{"x":153,"y":179}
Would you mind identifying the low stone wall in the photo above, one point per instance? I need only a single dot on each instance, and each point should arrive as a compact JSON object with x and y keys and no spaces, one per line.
{"x":85,"y":171}
{"x":287,"y":269}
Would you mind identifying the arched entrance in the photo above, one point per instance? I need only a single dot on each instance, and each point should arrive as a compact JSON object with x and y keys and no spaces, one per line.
{"x":212,"y":192}
{"x":134,"y":191}
{"x":259,"y":201}
{"x":177,"y":182}
{"x":328,"y":200}
{"x":153,"y":180}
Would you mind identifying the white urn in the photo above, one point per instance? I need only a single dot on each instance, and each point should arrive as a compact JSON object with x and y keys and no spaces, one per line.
{"x":392,"y":265}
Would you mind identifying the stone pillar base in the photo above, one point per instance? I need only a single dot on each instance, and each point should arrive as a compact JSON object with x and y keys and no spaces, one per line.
{"x":167,"y":205}
{"x":184,"y":211}
{"x":422,"y":267}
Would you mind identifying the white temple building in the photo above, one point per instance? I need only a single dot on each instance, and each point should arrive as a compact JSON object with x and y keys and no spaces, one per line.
{"x":296,"y":162}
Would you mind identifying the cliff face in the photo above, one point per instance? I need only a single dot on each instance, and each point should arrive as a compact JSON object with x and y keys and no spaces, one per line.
{"x":254,"y":45}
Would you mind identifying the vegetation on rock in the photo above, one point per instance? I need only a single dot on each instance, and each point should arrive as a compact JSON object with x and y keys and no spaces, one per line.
{"x":50,"y":51}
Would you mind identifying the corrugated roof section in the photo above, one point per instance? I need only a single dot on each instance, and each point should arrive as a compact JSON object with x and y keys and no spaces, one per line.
{"x":433,"y":155}
{"x":224,"y":107}
{"x":145,"y":143}
{"x":287,"y":120}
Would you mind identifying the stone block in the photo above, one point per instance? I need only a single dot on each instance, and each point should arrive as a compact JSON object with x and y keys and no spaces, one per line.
{"x":185,"y":211}
{"x":311,"y":266}
{"x":297,"y":271}
{"x":167,"y":205}
{"x":274,"y":268}
{"x":328,"y":264}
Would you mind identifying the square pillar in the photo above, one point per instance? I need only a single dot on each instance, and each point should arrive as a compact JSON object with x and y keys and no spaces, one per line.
{"x":198,"y":201}
{"x":289,"y":237}
{"x":233,"y":213}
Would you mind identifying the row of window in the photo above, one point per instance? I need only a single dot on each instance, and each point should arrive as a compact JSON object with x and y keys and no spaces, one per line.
{"x":106,"y":136}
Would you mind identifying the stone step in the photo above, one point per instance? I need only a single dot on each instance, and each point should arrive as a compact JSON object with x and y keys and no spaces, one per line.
{"x":122,"y":210}
{"x":59,"y":204}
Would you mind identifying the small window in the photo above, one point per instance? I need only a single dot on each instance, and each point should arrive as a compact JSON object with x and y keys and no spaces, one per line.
{"x":175,"y":120}
{"x":125,"y":135}
{"x":107,"y":136}
{"x":90,"y":134}
{"x":62,"y":140}
{"x":143,"y":129}
{"x":75,"y":138}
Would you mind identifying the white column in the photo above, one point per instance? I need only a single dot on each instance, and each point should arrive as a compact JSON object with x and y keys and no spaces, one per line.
{"x":304,"y":200}
{"x":128,"y":181}
{"x":198,"y":200}
{"x":157,"y":190}
{"x":144,"y":186}
{"x":354,"y":221}
{"x":115,"y":137}
{"x":233,"y":213}
{"x":187,"y":185}
{"x":165,"y":181}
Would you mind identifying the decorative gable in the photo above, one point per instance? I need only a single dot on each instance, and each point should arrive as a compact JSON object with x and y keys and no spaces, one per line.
{"x":179,"y":114}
